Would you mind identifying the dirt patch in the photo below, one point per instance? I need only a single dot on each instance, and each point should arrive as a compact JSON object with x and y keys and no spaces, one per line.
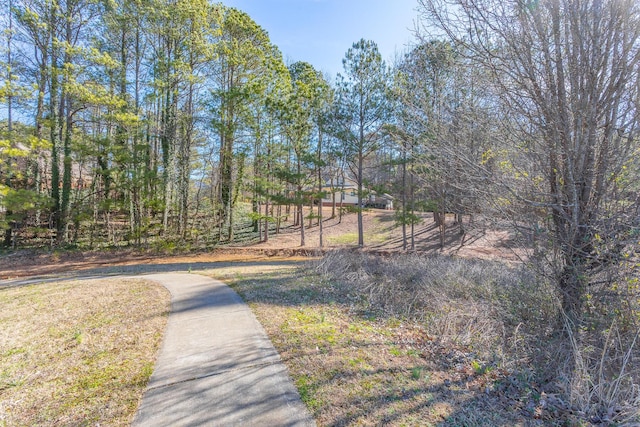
{"x":25,"y":264}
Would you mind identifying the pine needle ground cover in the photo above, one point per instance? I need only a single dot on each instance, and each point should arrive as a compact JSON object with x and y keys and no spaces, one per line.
{"x":78,"y":352}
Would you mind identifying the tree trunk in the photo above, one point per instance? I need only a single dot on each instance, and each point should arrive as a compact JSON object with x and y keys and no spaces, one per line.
{"x":412,"y":211}
{"x":359,"y":209}
{"x":278,"y":219}
{"x":572,"y":286}
{"x":301,"y":221}
{"x":404,"y":199}
{"x":53,"y":128}
{"x":66,"y":111}
{"x":340,"y":208}
{"x":320,"y":231}
{"x":333,"y":199}
{"x":266,"y":220}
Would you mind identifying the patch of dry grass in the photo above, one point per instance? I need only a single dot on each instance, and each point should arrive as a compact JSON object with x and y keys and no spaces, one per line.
{"x":410,"y":340}
{"x":380,"y":227}
{"x":354,"y":367}
{"x":78,"y":352}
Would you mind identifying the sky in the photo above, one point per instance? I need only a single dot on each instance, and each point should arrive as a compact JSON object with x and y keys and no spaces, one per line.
{"x":321,"y":31}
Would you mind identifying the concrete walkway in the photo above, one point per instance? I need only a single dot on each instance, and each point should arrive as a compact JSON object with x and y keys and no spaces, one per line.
{"x":216,"y":366}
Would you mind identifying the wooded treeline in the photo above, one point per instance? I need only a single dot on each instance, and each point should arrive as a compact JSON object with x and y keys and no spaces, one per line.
{"x":166,"y":117}
{"x":138,"y":122}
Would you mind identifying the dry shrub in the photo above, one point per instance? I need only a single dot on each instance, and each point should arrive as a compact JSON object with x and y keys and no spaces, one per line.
{"x":602,"y":369}
{"x":603,"y":382}
{"x":511,"y":317}
{"x":488,"y":306}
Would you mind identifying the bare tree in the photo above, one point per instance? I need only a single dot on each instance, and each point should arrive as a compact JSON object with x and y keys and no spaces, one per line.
{"x":443,"y":123}
{"x":567,"y":75}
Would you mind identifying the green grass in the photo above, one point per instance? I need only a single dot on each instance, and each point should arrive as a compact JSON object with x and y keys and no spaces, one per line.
{"x":307,"y":387}
{"x":344,"y":239}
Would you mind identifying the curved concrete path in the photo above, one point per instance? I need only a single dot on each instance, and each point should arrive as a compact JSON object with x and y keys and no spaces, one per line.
{"x":216,"y":366}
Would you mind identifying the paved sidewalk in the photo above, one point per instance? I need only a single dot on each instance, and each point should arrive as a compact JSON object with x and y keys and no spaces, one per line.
{"x":216,"y":366}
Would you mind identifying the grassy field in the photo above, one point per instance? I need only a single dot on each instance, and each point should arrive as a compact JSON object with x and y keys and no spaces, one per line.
{"x":78,"y":352}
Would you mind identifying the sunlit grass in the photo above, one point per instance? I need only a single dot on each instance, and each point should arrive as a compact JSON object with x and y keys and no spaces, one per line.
{"x":78,"y":353}
{"x":344,"y":239}
{"x":377,"y":232}
{"x":354,"y":367}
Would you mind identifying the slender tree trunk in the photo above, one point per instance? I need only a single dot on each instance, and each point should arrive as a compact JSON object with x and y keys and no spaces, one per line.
{"x":340,"y":208}
{"x":137,"y":181}
{"x":39,"y":118}
{"x":8,"y":235}
{"x":278,"y":219}
{"x":166,"y":158}
{"x":299,"y":205}
{"x":404,"y":199}
{"x":226,"y":176}
{"x":66,"y":177}
{"x":319,"y":198}
{"x":333,"y":199}
{"x":66,"y":119}
{"x":235,"y":194}
{"x":320,"y":195}
{"x":266,"y":220}
{"x":185,"y":164}
{"x":359,"y":209}
{"x":54,"y":131}
{"x":301,"y":221}
{"x":442,"y":222}
{"x":412,"y":210}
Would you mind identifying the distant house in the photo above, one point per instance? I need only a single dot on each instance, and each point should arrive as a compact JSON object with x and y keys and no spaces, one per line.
{"x":81,"y":174}
{"x":346,"y":194}
{"x":380,"y":201}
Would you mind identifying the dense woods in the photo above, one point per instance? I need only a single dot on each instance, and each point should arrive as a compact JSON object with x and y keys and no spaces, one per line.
{"x":155,"y":123}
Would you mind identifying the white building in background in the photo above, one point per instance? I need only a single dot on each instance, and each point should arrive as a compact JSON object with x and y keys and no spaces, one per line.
{"x":346,"y":194}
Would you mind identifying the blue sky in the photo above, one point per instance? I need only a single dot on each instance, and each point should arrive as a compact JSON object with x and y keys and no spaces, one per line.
{"x":321,"y":31}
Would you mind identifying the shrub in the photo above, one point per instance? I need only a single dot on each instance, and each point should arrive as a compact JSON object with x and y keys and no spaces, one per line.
{"x":510,"y":317}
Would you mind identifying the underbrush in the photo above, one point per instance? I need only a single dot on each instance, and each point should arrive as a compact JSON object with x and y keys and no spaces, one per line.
{"x":487,"y":306}
{"x":506,"y":320}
